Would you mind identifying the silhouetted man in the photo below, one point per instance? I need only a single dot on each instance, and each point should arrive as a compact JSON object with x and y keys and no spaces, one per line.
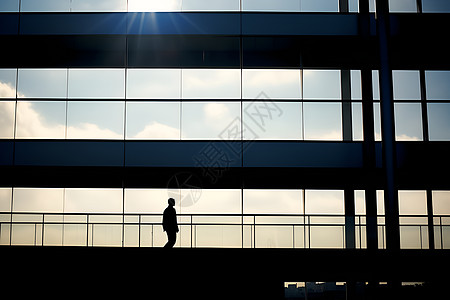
{"x":170,"y":225}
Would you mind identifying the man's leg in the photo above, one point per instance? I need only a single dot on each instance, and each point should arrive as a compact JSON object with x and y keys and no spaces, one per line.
{"x":171,"y":239}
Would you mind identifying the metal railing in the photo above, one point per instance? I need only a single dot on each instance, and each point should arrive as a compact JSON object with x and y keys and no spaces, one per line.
{"x":201,"y":230}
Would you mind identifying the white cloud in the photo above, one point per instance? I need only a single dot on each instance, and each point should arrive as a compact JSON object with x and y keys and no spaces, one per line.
{"x":6,"y":91}
{"x":31,"y":124}
{"x":156,"y":130}
{"x":405,"y":137}
{"x":216,"y":111}
{"x":91,"y":131}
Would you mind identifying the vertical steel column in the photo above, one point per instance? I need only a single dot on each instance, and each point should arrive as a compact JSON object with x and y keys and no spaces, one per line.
{"x":369,"y":134}
{"x":387,"y":128}
{"x":349,"y":200}
{"x":346,"y":106}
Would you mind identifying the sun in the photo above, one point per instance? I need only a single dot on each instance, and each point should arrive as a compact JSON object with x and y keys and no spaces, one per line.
{"x":153,"y":5}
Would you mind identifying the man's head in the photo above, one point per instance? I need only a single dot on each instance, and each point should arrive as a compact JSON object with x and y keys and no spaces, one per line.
{"x":171,"y":202}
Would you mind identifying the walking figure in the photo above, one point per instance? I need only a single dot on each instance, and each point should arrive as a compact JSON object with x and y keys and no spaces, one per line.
{"x":170,"y":225}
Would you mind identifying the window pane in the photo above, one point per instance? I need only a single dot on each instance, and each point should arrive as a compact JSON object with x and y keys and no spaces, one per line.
{"x":327,"y":237}
{"x":209,"y":120}
{"x":95,"y":120}
{"x":274,"y":237}
{"x":270,"y":5}
{"x":45,"y":5}
{"x":435,"y":6}
{"x":38,"y":200}
{"x":319,"y":202}
{"x":410,"y":237}
{"x":353,"y":5}
{"x":408,"y":122}
{"x":375,"y":85}
{"x":97,"y":83}
{"x":217,"y":5}
{"x":5,"y":199}
{"x":438,"y":87}
{"x":322,"y":84}
{"x":406,"y":85}
{"x":439,"y":121}
{"x":9,"y":6}
{"x":98,"y":5}
{"x":154,"y":84}
{"x":7,"y":112}
{"x":323,"y":121}
{"x":153,"y":120}
{"x":273,"y":121}
{"x":210,"y":201}
{"x":357,"y":122}
{"x":151,"y":201}
{"x":42,"y":83}
{"x":211,"y":84}
{"x":93,"y":201}
{"x":320,"y":6}
{"x":218,"y":236}
{"x":441,"y":202}
{"x":403,"y":6}
{"x":360,"y":202}
{"x":355,"y":79}
{"x":273,"y":84}
{"x":377,"y":121}
{"x":41,"y":120}
{"x":412,"y":202}
{"x":154,"y":5}
{"x":273,"y":201}
{"x":8,"y":83}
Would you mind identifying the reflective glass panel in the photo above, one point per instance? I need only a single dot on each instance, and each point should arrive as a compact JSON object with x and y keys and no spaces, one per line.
{"x":353,"y":5}
{"x":152,"y":201}
{"x":270,"y":5}
{"x":273,"y":120}
{"x":154,"y":84}
{"x":274,"y":237}
{"x":319,"y":202}
{"x":38,"y":200}
{"x":355,"y":80}
{"x":412,"y":202}
{"x":403,"y":6}
{"x":375,"y":85}
{"x":7,"y":113}
{"x":322,"y":84}
{"x":213,"y":5}
{"x":438,"y":85}
{"x":210,"y":201}
{"x":9,"y":6}
{"x":153,"y":120}
{"x":410,"y":237}
{"x":44,"y":5}
{"x":95,"y":120}
{"x":42,"y":83}
{"x":327,"y":237}
{"x":209,"y":120}
{"x":154,"y":5}
{"x":8,"y":83}
{"x":435,"y":6}
{"x":271,"y":84}
{"x":41,"y":120}
{"x":273,"y":201}
{"x":5,"y":199}
{"x":439,"y":121}
{"x":93,"y":201}
{"x":360,"y":202}
{"x":441,"y":202}
{"x":97,"y":83}
{"x":98,"y":5}
{"x":377,"y":121}
{"x":211,"y":84}
{"x":406,"y":85}
{"x":218,"y":236}
{"x":322,"y":121}
{"x":408,"y":122}
{"x":357,"y":122}
{"x":320,"y":5}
